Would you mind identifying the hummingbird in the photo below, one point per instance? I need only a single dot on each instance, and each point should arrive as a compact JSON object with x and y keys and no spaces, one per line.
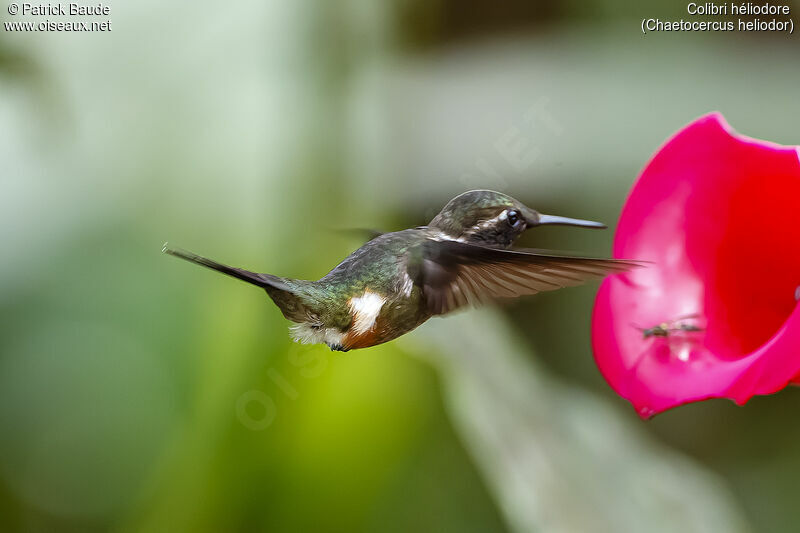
{"x":398,"y":280}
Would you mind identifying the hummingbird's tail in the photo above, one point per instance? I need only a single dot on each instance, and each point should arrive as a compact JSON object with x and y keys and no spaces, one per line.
{"x":260,"y":280}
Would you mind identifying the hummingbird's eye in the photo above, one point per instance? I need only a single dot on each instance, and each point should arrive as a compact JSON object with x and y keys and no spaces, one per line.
{"x":513,"y":217}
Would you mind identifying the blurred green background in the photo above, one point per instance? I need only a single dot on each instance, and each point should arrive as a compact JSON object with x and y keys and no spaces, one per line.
{"x":138,"y":393}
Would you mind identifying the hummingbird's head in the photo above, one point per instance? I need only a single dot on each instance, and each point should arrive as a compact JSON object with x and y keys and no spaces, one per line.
{"x":494,"y":219}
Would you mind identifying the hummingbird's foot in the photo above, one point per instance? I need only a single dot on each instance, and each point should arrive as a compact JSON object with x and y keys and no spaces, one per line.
{"x":338,"y":348}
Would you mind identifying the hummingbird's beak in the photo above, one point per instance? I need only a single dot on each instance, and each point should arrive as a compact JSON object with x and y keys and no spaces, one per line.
{"x":539,"y":219}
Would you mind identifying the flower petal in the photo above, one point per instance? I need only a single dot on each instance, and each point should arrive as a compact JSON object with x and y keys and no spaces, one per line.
{"x":718,"y":214}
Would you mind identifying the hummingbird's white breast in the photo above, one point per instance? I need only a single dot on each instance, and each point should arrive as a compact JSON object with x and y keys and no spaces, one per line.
{"x":365,"y":310}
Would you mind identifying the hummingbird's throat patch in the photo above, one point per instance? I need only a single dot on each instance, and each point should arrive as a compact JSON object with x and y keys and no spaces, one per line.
{"x":365,"y":310}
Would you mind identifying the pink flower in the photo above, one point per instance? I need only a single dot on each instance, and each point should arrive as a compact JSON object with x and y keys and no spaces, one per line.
{"x":718,"y":214}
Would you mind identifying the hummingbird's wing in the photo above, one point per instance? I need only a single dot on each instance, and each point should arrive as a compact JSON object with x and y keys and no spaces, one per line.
{"x":455,"y":274}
